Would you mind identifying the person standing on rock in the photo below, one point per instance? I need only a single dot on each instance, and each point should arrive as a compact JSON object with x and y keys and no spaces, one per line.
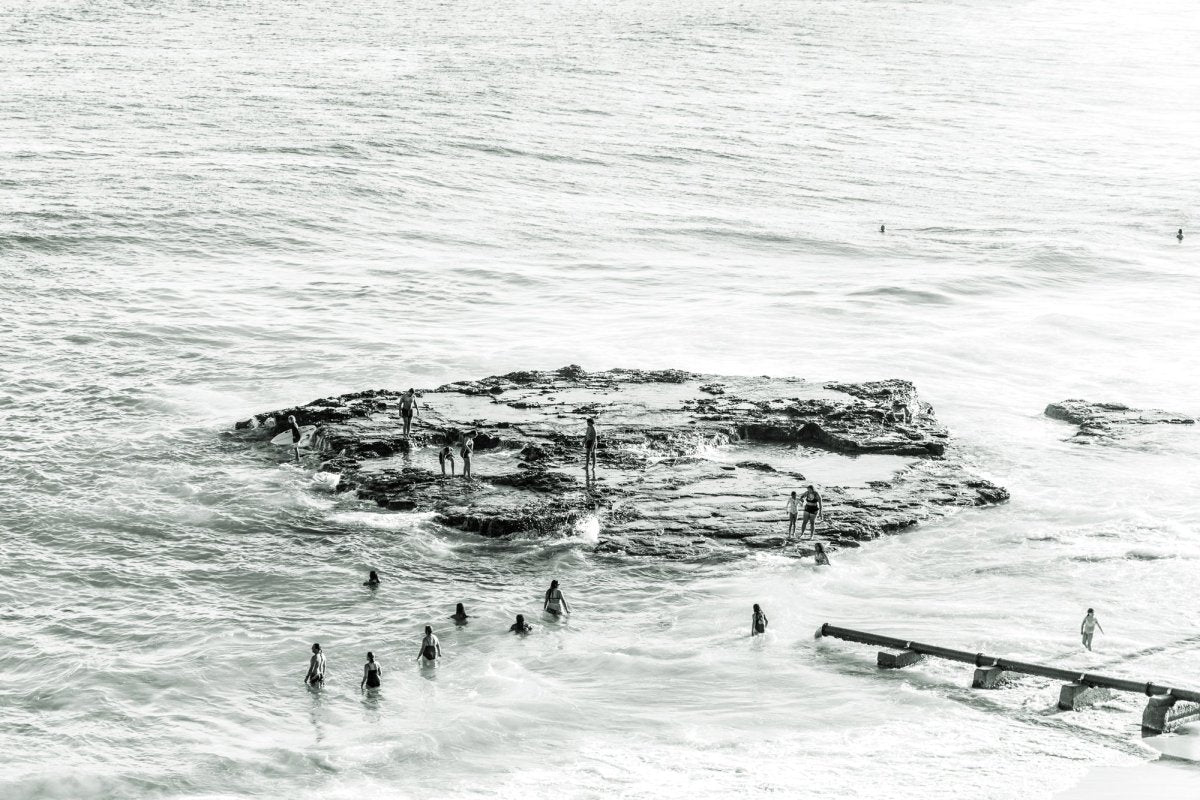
{"x":589,"y":448}
{"x":793,"y":509}
{"x":812,"y":510}
{"x":297,"y":434}
{"x":445,"y":455}
{"x":431,"y":648}
{"x":315,"y":676}
{"x":758,"y":621}
{"x":466,"y":449}
{"x":1088,"y":628}
{"x":409,"y":405}
{"x":555,"y":603}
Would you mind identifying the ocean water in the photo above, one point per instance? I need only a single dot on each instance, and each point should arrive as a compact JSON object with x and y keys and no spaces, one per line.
{"x":213,"y":209}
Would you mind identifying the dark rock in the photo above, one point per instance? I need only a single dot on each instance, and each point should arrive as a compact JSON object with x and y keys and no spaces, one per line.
{"x":1109,"y":420}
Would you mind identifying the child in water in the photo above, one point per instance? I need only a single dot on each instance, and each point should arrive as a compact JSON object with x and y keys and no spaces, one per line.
{"x":520,"y":626}
{"x":1088,"y":628}
{"x":822,"y":558}
{"x":758,"y":621}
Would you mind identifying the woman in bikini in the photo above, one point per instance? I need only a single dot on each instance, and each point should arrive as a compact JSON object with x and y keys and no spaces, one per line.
{"x":431,"y":649}
{"x":555,"y":603}
{"x":758,"y":621}
{"x":812,"y":510}
{"x":371,"y":673}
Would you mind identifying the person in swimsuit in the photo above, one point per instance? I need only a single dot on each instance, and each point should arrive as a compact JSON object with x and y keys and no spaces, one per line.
{"x":431,"y":648}
{"x":371,"y":673}
{"x":793,"y":509}
{"x":555,"y":603}
{"x":408,"y":404}
{"x":520,"y":626}
{"x":372,"y":580}
{"x":460,"y":615}
{"x":822,"y":558}
{"x":589,"y":448}
{"x":296,"y":435}
{"x":445,"y":455}
{"x":758,"y":621}
{"x":1088,"y":628}
{"x":812,"y":510}
{"x":1179,"y":235}
{"x":316,"y":667}
{"x":466,"y":448}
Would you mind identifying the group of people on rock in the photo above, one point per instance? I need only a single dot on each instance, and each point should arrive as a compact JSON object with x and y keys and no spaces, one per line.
{"x":553,"y":603}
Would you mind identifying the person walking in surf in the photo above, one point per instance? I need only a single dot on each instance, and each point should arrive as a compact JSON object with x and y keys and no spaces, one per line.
{"x":1088,"y":628}
{"x":409,"y":405}
{"x":758,"y":621}
{"x":555,"y":603}
{"x":589,"y":448}
{"x":812,"y":510}
{"x":316,"y":668}
{"x":431,"y":648}
{"x":372,"y":672}
{"x":793,"y":509}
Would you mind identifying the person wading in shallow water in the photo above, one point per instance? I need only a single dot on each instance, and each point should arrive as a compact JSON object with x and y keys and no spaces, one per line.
{"x":520,"y":626}
{"x":812,"y":510}
{"x":446,"y":454}
{"x":758,"y":621}
{"x":316,"y":667}
{"x":408,"y":405}
{"x":821,"y":557}
{"x":431,"y":648}
{"x":371,"y":673}
{"x":793,"y":509}
{"x":372,"y":580}
{"x":555,"y":603}
{"x":589,"y":448}
{"x":1088,"y":628}
{"x":460,"y":615}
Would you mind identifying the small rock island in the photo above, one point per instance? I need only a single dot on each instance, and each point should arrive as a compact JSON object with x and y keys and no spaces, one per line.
{"x":687,"y":464}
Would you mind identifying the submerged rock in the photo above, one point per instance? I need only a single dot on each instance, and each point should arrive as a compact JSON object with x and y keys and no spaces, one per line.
{"x":1107,"y":420}
{"x":683,"y":471}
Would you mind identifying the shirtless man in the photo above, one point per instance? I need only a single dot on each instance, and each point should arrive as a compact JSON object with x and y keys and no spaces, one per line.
{"x":408,"y":405}
{"x":316,"y":668}
{"x":445,"y":455}
{"x":812,"y":510}
{"x":589,"y":447}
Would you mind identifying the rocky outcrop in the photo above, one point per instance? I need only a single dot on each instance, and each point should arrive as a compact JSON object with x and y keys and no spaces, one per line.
{"x":684,"y":469}
{"x":1109,"y":420}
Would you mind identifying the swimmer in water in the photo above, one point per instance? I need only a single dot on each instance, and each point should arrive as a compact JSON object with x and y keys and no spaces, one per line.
{"x":881,"y":229}
{"x":372,"y":672}
{"x":822,"y":558}
{"x":431,"y":648}
{"x":408,"y":405}
{"x":446,"y":454}
{"x":296,"y":435}
{"x":520,"y":626}
{"x":1179,"y":235}
{"x":460,"y":615}
{"x":758,"y":621}
{"x":793,"y":509}
{"x":316,"y":667}
{"x":555,"y":603}
{"x":812,"y":510}
{"x":1088,"y":628}
{"x":589,"y":448}
{"x":466,"y":449}
{"x":372,"y":580}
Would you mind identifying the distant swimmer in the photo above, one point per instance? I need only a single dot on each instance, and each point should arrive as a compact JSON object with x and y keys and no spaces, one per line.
{"x":1179,"y":235}
{"x":793,"y":509}
{"x":822,"y":558}
{"x":1088,"y":628}
{"x":881,"y":229}
{"x":316,"y":667}
{"x":466,"y":450}
{"x":589,"y":447}
{"x":812,"y":510}
{"x":372,"y":672}
{"x":296,"y":435}
{"x":431,"y":648}
{"x":460,"y":615}
{"x":520,"y":626}
{"x":758,"y":621}
{"x":446,"y":454}
{"x":408,"y":405}
{"x":555,"y":603}
{"x":372,"y":580}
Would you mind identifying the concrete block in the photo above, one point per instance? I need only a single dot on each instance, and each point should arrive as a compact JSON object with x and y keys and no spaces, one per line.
{"x":988,"y":678}
{"x":1164,"y":714}
{"x":1074,"y":696}
{"x":904,"y":658}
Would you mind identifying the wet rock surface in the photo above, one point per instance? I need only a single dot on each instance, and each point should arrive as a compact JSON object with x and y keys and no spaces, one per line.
{"x":683,"y":470}
{"x":1109,"y":420}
